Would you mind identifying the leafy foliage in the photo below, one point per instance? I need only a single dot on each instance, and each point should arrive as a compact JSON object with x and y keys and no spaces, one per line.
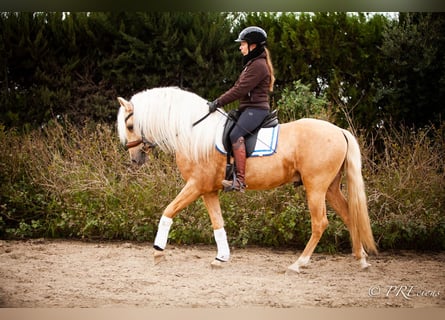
{"x":409,"y":198}
{"x":369,"y":68}
{"x":299,"y":102}
{"x":76,"y":64}
{"x":413,"y":51}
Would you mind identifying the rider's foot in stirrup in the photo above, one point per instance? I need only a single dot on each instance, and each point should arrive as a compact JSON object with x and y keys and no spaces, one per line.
{"x":233,"y":185}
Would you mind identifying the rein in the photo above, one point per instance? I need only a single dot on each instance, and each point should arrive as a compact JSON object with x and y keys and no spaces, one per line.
{"x":203,"y":118}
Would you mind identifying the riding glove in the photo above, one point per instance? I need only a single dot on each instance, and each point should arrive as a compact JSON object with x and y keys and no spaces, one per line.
{"x":213,"y":105}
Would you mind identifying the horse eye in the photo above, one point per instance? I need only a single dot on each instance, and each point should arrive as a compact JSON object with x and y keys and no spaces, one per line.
{"x":130,"y":128}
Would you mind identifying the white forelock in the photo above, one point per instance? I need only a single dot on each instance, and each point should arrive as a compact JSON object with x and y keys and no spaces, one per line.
{"x":121,"y":127}
{"x":166,"y":116}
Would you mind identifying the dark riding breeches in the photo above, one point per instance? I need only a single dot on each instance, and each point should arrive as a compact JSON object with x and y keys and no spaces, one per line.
{"x":249,"y":120}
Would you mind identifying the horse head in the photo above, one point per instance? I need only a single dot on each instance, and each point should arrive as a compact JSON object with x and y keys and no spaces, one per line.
{"x":136,"y":143}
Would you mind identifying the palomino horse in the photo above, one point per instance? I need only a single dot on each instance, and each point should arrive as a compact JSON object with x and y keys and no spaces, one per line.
{"x":313,"y":152}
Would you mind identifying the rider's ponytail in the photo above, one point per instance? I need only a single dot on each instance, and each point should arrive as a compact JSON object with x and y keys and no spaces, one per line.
{"x":270,"y":66}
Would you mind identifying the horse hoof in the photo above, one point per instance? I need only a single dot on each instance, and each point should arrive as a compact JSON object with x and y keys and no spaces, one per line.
{"x":292,"y":269}
{"x":158,"y":257}
{"x":364,"y":265}
{"x":217,"y":264}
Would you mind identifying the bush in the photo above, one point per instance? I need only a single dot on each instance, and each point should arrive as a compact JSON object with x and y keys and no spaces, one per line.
{"x":298,"y":101}
{"x":406,"y":183}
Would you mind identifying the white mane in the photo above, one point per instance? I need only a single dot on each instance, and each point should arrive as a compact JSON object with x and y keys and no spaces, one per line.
{"x":166,"y":116}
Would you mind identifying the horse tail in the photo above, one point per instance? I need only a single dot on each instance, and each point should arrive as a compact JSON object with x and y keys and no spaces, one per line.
{"x":357,"y":203}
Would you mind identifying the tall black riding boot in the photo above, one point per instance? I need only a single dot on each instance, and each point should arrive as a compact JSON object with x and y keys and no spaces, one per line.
{"x":239,"y":153}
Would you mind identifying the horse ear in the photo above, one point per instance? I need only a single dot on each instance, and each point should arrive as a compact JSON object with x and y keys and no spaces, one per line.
{"x":124,"y":103}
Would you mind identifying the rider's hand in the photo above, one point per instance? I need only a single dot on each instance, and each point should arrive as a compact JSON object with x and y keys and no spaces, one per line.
{"x":213,"y":105}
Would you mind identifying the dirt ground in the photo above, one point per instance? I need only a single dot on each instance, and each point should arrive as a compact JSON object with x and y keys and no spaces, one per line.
{"x":47,"y":274}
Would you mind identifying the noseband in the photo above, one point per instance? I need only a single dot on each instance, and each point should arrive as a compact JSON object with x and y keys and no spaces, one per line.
{"x":147,"y":145}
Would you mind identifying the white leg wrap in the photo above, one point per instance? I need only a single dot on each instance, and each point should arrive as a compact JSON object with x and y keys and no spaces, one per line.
{"x":162,"y":234}
{"x":222,"y":244}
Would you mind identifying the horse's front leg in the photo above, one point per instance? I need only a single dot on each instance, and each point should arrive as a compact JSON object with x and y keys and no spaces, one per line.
{"x":187,"y":195}
{"x":211,"y":202}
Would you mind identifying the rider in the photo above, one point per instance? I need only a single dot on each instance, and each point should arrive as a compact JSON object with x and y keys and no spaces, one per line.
{"x":252,"y":89}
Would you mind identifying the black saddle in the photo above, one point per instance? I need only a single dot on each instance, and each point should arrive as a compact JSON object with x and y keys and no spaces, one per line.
{"x":270,"y":121}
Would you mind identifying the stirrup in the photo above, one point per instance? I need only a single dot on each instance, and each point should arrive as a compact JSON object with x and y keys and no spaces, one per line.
{"x":230,"y":185}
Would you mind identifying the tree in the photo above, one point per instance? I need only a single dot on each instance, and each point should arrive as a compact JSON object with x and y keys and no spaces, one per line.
{"x":76,"y":64}
{"x":369,"y":68}
{"x":413,"y":49}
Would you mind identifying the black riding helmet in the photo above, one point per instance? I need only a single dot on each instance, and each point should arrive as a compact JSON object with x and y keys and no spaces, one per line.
{"x":253,"y":35}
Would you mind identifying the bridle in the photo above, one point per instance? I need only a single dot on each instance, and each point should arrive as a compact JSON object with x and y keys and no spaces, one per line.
{"x":146,"y":144}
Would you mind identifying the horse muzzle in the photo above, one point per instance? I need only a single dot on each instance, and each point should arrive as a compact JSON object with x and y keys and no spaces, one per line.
{"x":139,"y":156}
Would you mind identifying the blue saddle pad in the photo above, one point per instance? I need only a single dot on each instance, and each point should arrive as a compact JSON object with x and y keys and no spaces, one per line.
{"x":264,"y":143}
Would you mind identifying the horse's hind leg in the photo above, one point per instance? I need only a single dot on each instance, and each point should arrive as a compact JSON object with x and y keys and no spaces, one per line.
{"x":338,"y":202}
{"x":319,"y":223}
{"x":336,"y":199}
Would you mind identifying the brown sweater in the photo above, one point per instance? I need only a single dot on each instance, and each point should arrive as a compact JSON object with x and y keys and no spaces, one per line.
{"x":252,"y":86}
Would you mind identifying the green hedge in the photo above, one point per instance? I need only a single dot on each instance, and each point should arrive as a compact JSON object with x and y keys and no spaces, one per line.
{"x":76,"y":64}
